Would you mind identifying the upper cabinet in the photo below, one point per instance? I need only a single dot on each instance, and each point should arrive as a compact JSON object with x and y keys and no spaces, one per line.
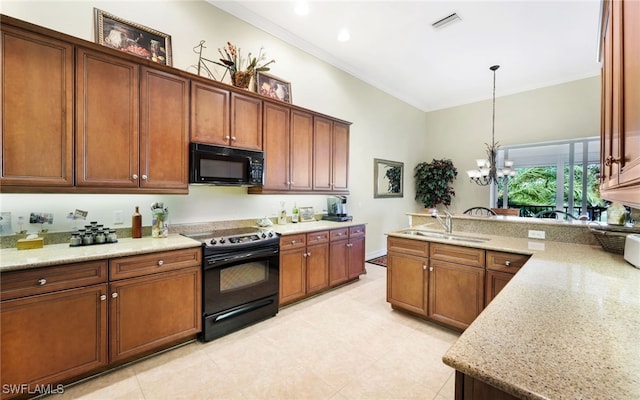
{"x":78,"y":117}
{"x":37,"y":110}
{"x":620,"y":131}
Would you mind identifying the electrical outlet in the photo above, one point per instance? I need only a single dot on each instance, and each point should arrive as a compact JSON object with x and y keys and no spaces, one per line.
{"x":536,"y":234}
{"x":118,"y":219}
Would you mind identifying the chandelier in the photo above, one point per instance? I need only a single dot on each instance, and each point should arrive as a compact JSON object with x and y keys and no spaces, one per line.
{"x":487,"y":171}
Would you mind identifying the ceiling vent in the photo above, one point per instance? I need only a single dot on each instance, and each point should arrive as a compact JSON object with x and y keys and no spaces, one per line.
{"x":448,"y":20}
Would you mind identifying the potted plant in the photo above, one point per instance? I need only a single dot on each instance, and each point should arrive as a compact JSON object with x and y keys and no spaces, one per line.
{"x":432,"y":182}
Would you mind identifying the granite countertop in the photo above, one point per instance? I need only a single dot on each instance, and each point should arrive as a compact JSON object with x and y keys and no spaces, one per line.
{"x":567,"y":326}
{"x":303,"y":227}
{"x":56,"y":254}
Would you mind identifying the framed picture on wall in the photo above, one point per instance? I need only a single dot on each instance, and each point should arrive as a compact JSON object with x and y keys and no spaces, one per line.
{"x":273,"y":87}
{"x":132,"y":38}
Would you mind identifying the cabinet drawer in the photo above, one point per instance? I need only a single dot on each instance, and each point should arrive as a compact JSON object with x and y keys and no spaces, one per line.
{"x":505,"y":262}
{"x":127,"y":267}
{"x":293,"y":241}
{"x":44,"y":280}
{"x":414,"y":247}
{"x":457,"y":254}
{"x":339,"y":234}
{"x":357,"y":231}
{"x":317,"y":237}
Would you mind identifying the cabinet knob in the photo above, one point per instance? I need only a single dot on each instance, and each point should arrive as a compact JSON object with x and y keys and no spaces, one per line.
{"x":42,"y":282}
{"x":144,"y":177}
{"x":424,"y":267}
{"x":611,"y":160}
{"x":114,"y":295}
{"x":233,"y":138}
{"x":160,"y":263}
{"x":134,"y":176}
{"x":293,"y":242}
{"x":507,"y":263}
{"x":430,"y":269}
{"x":349,"y":244}
{"x":103,"y":297}
{"x":227,"y":137}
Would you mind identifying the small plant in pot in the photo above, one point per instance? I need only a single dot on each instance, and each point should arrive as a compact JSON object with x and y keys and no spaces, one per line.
{"x":433,"y":182}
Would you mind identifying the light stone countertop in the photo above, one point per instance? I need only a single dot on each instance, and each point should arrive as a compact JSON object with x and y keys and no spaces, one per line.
{"x":303,"y":227}
{"x":56,"y":254}
{"x":567,"y":326}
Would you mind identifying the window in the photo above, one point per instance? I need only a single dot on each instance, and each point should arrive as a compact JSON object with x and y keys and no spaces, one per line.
{"x":550,"y":176}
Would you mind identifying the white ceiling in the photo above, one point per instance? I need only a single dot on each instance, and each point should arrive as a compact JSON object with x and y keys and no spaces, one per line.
{"x":394,"y":47}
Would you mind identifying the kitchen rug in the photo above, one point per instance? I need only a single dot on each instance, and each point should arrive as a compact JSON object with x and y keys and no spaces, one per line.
{"x":381,"y":261}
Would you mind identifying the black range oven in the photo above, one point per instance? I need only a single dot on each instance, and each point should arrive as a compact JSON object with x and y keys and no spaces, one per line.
{"x":240,"y":279}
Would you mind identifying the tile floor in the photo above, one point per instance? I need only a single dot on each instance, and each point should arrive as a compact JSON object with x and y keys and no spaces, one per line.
{"x":344,"y":344}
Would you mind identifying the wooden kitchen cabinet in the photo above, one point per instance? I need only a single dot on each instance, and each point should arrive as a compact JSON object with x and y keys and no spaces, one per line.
{"x":331,"y":155}
{"x":500,"y":268}
{"x":164,"y":131}
{"x":456,"y":284}
{"x":155,"y":301}
{"x":407,"y":274}
{"x":246,"y":122}
{"x":346,"y":252}
{"x":276,"y":144}
{"x":355,"y":256}
{"x":107,"y":120}
{"x":37,"y":110}
{"x":209,"y":114}
{"x":304,"y":265}
{"x":53,"y":323}
{"x":620,"y":138}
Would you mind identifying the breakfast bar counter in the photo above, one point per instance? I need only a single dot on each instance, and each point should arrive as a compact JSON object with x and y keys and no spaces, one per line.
{"x":567,"y":326}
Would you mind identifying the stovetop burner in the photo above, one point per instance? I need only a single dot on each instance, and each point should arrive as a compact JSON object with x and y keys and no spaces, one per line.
{"x":235,"y":237}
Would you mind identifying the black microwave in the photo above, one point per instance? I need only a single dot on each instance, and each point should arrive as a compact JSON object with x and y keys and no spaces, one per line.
{"x":225,"y":166}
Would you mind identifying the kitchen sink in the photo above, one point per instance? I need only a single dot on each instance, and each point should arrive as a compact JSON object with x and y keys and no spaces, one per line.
{"x":445,"y":236}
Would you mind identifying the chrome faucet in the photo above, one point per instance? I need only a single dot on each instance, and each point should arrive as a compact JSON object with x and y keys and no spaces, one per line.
{"x":446,"y":224}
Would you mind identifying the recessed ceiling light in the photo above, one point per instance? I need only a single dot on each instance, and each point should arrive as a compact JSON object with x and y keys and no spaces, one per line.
{"x":344,"y":35}
{"x":302,"y":8}
{"x":448,"y":20}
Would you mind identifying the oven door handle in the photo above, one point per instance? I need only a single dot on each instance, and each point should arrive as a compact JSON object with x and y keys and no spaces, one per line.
{"x":213,"y":260}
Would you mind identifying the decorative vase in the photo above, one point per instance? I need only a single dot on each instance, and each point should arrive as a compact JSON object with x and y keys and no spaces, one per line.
{"x":241,"y":79}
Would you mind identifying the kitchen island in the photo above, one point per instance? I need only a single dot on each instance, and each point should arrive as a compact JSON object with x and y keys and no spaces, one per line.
{"x":567,"y":326}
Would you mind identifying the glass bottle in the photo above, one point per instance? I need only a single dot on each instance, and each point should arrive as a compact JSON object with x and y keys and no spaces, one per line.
{"x":136,"y":224}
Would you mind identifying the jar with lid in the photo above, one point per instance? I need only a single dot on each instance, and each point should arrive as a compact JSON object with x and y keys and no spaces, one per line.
{"x":113,"y":236}
{"x":100,"y":237}
{"x":76,"y":240}
{"x":87,"y":239}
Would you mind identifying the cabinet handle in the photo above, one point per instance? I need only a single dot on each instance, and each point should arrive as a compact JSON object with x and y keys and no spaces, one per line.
{"x":144,"y":177}
{"x":160,"y":263}
{"x":114,"y":295}
{"x":134,"y":176}
{"x":349,"y":244}
{"x":103,"y":297}
{"x":233,"y":138}
{"x":304,"y":254}
{"x":308,"y":254}
{"x":424,"y":267}
{"x":430,"y":269}
{"x":611,"y":160}
{"x":227,"y":137}
{"x":42,"y":282}
{"x":293,"y":242}
{"x":507,"y":263}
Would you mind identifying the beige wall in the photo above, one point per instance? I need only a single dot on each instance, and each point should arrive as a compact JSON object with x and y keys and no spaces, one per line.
{"x":383,"y":127}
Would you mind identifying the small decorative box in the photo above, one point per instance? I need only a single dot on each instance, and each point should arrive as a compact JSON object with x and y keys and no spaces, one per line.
{"x":28,"y":244}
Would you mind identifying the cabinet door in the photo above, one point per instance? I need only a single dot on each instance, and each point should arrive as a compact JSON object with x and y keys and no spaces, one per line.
{"x":276,"y":147}
{"x":356,"y":257}
{"x":609,"y":144}
{"x":155,"y":310}
{"x":292,"y":275}
{"x":301,"y":151}
{"x":338,"y":267}
{"x":495,"y":282}
{"x":164,"y":130}
{"x":317,"y":268}
{"x":407,"y":282}
{"x":52,"y":337}
{"x":340,"y":157}
{"x":209,"y":114}
{"x":322,"y":149}
{"x":456,"y":293}
{"x":628,"y":13}
{"x":107,"y":138}
{"x":246,"y":122}
{"x":37,"y":110}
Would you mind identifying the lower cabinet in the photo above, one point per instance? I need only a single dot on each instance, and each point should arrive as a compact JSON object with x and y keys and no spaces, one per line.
{"x":63,"y":322}
{"x":468,"y":388}
{"x":444,"y":283}
{"x":304,"y":265}
{"x":313,"y":262}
